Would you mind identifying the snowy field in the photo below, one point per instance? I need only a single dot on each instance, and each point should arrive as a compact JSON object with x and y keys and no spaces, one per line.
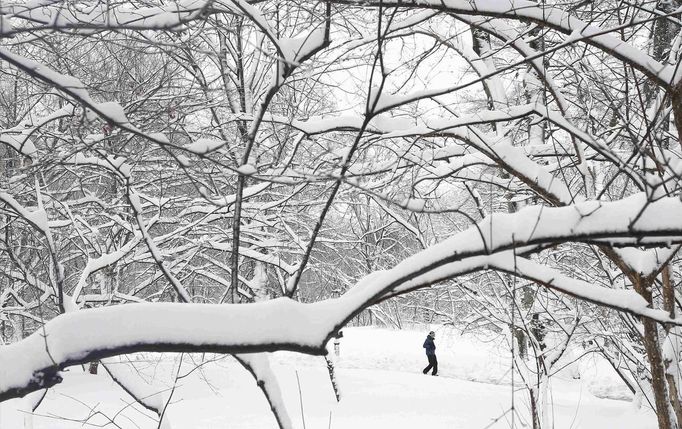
{"x":380,"y":382}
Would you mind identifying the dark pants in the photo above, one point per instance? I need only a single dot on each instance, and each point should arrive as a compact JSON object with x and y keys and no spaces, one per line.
{"x":433,"y":363}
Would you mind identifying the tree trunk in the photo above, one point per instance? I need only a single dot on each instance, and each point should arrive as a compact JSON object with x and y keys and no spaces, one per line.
{"x":666,"y":419}
{"x":652,"y":346}
{"x":676,"y":97}
{"x":534,"y":408}
{"x":672,"y":357}
{"x":520,"y":336}
{"x":658,"y":379}
{"x":674,"y":395}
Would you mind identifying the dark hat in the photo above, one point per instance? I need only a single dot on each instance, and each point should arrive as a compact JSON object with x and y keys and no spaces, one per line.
{"x":432,"y":333}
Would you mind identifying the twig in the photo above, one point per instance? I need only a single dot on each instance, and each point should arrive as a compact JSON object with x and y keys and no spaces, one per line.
{"x":300,"y":399}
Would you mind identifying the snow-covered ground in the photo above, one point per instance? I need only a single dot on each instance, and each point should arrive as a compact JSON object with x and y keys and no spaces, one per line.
{"x":379,"y":372}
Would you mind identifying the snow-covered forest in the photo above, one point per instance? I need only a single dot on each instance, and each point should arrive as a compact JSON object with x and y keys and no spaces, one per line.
{"x":198,"y":180}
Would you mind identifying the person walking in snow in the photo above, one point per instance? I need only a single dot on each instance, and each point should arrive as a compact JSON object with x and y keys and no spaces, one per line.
{"x":431,"y":353}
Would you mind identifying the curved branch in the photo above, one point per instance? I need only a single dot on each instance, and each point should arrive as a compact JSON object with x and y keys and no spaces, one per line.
{"x":283,"y":324}
{"x":550,"y":17}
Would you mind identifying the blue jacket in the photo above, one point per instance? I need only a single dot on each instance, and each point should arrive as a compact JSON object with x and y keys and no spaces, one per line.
{"x":430,"y":347}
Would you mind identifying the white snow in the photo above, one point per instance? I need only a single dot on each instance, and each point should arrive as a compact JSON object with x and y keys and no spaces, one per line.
{"x":295,"y":49}
{"x":645,"y":262}
{"x":414,"y":204}
{"x":103,"y":16}
{"x":37,"y":217}
{"x":556,"y":18}
{"x":152,"y":396}
{"x":114,"y":112}
{"x":224,"y":201}
{"x":283,"y":324}
{"x":203,"y":146}
{"x":19,"y":137}
{"x":117,"y":165}
{"x":379,"y":374}
{"x":22,"y":145}
{"x":6,"y":26}
{"x":102,"y":261}
{"x":247,"y":169}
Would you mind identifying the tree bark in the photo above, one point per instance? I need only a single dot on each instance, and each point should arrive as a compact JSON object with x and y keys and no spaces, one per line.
{"x":662,"y":398}
{"x":669,"y":306}
{"x":658,"y":379}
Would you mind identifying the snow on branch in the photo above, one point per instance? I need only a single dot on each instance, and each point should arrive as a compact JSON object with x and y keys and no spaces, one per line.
{"x":89,"y":334}
{"x":512,"y":158}
{"x":502,"y":152}
{"x":115,"y":164}
{"x":223,"y":201}
{"x":103,"y":16}
{"x":19,"y":137}
{"x":296,"y":50}
{"x":394,"y":127}
{"x":555,"y":18}
{"x":621,"y":299}
{"x":110,"y":111}
{"x":136,"y":205}
{"x":510,"y":36}
{"x":402,"y":221}
{"x":283,"y":324}
{"x":21,"y":143}
{"x":645,"y":262}
{"x":256,"y":255}
{"x":37,"y":218}
{"x":258,"y":364}
{"x":105,"y":260}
